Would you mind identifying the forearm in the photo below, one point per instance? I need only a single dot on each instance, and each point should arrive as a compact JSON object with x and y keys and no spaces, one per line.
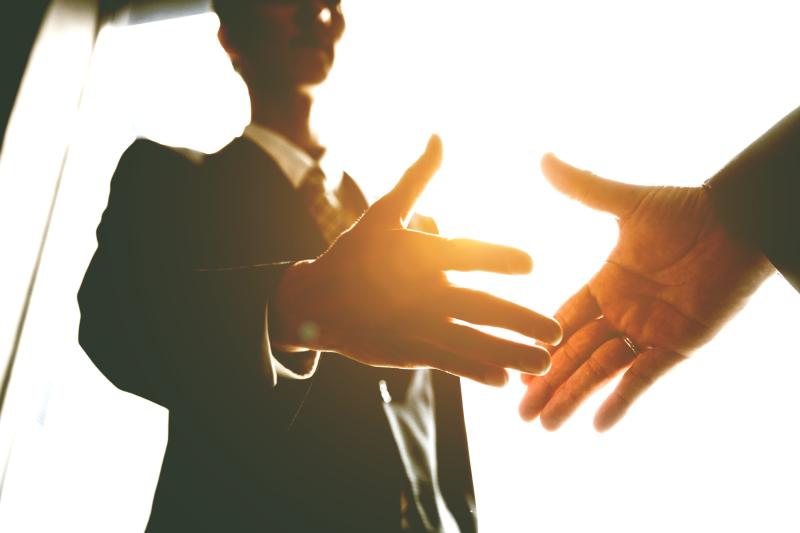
{"x":289,"y":330}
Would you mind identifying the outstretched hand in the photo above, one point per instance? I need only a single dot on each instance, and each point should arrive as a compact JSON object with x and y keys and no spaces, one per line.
{"x":671,"y":282}
{"x":379,"y":295}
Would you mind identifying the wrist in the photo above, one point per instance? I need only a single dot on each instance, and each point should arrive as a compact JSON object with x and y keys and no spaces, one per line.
{"x":289,"y":328}
{"x":759,"y":265}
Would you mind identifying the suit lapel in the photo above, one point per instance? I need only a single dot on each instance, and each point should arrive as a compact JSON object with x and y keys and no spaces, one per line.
{"x":351,"y":197}
{"x":254,"y":201}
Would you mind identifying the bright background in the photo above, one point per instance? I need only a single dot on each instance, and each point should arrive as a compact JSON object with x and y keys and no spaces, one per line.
{"x":644,"y":92}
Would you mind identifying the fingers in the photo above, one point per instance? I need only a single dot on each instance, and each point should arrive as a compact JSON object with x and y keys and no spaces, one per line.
{"x":573,"y":314}
{"x":648,"y":367}
{"x":606,"y":362}
{"x":396,"y":206}
{"x":486,"y":349}
{"x":566,"y":360}
{"x":436,"y":253}
{"x":481,"y":308}
{"x":593,"y":191}
{"x":495,"y":376}
{"x":447,"y":361}
{"x":468,"y":254}
{"x":577,"y":311}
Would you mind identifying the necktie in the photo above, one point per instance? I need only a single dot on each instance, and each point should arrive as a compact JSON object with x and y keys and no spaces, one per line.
{"x":329,"y":216}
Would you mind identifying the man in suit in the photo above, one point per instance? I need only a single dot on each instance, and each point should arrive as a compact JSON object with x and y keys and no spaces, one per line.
{"x":208,"y":295}
{"x":686,"y":261}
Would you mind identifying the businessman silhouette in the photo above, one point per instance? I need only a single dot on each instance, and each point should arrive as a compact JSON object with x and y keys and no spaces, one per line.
{"x":218,"y":281}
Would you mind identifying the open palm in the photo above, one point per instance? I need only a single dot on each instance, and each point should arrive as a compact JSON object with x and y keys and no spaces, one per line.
{"x":671,"y":282}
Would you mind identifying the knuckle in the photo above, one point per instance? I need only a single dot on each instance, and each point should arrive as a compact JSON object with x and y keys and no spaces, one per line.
{"x":619,"y":401}
{"x":568,"y":354}
{"x":540,"y":388}
{"x":640,"y":379}
{"x":596,"y":370}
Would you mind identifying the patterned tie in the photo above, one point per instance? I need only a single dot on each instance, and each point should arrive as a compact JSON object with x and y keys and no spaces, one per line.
{"x":329,"y":216}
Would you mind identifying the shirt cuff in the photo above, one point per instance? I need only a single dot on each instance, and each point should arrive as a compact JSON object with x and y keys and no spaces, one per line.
{"x":296,"y":365}
{"x":287,"y":365}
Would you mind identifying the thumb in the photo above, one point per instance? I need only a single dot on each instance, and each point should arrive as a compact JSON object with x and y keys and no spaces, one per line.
{"x":398,"y":203}
{"x":614,"y":197}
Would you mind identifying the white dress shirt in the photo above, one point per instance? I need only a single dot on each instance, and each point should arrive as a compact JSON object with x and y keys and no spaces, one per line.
{"x":291,"y":159}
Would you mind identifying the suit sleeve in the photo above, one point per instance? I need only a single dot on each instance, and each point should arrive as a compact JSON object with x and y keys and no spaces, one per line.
{"x":188,"y":338}
{"x":757,"y":195}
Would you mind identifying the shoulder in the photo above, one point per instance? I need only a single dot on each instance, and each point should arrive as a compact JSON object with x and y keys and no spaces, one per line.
{"x":150,"y":178}
{"x":248,"y":166}
{"x":146,"y":165}
{"x":242,"y":155}
{"x":144,"y":154}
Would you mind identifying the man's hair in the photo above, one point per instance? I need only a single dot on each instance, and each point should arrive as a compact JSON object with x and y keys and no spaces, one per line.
{"x":233,"y":14}
{"x":229,"y":10}
{"x":236,"y":16}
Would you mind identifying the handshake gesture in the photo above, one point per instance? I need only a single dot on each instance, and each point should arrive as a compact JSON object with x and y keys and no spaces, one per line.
{"x":676,"y":275}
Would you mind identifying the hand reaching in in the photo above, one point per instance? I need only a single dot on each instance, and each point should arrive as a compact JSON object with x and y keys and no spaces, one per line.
{"x":379,"y":295}
{"x":671,"y":282}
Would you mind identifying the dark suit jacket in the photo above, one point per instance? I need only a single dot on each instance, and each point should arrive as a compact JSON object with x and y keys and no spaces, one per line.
{"x":174,"y":309}
{"x":757,"y":195}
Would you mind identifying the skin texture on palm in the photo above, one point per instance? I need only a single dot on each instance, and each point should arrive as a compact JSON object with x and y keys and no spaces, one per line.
{"x":673,"y":280}
{"x":379,"y":295}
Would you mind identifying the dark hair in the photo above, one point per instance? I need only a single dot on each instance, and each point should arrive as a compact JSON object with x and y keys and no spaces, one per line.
{"x":232,"y":13}
{"x":236,"y":17}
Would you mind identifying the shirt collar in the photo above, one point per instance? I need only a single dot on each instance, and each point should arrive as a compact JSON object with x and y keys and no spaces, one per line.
{"x":291,"y":159}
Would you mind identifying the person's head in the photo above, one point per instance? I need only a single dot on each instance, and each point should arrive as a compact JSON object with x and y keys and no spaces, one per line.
{"x":281,"y":43}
